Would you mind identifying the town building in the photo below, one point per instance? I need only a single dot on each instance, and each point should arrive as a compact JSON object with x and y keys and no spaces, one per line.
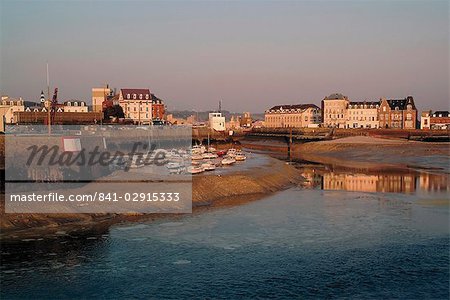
{"x":216,"y":121}
{"x":334,"y":110}
{"x":234,"y":123}
{"x":437,"y":120}
{"x":158,"y":108}
{"x":75,"y":106}
{"x":98,"y":96}
{"x":9,"y":107}
{"x":136,"y":105}
{"x":246,"y":120}
{"x":297,"y":115}
{"x":398,"y":113}
{"x":362,"y":115}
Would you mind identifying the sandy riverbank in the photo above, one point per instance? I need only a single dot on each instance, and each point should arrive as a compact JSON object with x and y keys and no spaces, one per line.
{"x":208,"y":191}
{"x":377,"y":152}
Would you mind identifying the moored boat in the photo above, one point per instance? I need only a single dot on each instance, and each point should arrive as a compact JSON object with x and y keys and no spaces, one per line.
{"x":228,"y":161}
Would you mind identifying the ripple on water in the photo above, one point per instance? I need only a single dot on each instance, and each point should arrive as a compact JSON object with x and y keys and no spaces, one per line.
{"x":182,"y":262}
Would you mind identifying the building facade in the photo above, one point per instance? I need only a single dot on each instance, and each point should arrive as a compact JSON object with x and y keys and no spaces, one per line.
{"x":334,"y":110}
{"x":75,"y":106}
{"x":362,"y":115}
{"x":398,"y":113}
{"x":158,"y":108}
{"x":297,"y":115}
{"x":9,"y":108}
{"x":439,"y":120}
{"x":216,"y":121}
{"x":98,"y":96}
{"x":136,"y":105}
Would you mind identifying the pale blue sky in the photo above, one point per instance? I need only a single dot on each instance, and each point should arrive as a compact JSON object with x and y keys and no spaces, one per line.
{"x":251,"y":54}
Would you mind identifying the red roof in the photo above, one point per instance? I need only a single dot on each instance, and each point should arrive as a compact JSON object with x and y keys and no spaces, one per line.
{"x":129,"y":94}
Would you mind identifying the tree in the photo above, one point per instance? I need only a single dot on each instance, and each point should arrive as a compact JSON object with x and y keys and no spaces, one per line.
{"x":114,"y":111}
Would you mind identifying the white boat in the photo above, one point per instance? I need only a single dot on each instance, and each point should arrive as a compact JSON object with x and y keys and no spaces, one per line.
{"x":196,"y":157}
{"x":198,"y":149}
{"x":174,"y":165}
{"x":208,"y":155}
{"x":207,"y":166}
{"x":228,"y":161}
{"x":231,"y":152}
{"x":212,"y":149}
{"x":240,"y":157}
{"x":195,"y":169}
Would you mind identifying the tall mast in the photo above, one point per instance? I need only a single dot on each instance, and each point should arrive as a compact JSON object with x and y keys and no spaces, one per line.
{"x":49,"y":106}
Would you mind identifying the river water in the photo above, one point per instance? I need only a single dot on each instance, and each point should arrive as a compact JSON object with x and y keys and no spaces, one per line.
{"x":343,"y":233}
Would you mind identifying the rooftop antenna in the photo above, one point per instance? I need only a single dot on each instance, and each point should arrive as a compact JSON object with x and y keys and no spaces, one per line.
{"x":220,"y":105}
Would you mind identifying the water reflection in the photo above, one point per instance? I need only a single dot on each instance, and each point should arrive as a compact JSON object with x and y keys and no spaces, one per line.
{"x":372,"y":180}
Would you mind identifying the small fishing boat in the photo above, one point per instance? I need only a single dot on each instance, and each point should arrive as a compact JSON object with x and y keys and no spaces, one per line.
{"x":208,"y":155}
{"x":195,"y":169}
{"x":228,"y":161}
{"x":198,"y":149}
{"x":208,"y":166}
{"x":240,"y":157}
{"x":196,"y":157}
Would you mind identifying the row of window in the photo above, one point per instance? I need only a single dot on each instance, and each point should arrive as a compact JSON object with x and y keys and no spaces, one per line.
{"x":140,"y":96}
{"x":274,"y":119}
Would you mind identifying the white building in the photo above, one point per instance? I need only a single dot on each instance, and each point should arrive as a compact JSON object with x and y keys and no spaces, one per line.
{"x":136,"y":105}
{"x":75,"y":106}
{"x":363,"y":115}
{"x":216,"y":121}
{"x":9,"y":107}
{"x":334,"y":110}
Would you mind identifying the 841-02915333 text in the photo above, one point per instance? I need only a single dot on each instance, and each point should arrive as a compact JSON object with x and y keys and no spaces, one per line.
{"x":97,"y":196}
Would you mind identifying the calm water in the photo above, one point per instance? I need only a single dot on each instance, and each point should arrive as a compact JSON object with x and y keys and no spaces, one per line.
{"x":311,"y":243}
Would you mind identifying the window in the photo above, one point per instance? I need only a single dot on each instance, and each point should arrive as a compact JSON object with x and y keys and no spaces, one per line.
{"x":140,"y":96}
{"x":146,"y":96}
{"x":128,"y":96}
{"x":384,"y":108}
{"x":134,"y":96}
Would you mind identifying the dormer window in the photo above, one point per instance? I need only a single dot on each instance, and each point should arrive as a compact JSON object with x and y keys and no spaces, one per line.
{"x":82,"y":103}
{"x":396,"y":108}
{"x":134,"y":96}
{"x":68,"y":103}
{"x":128,"y":96}
{"x":147,"y":97}
{"x":140,"y":96}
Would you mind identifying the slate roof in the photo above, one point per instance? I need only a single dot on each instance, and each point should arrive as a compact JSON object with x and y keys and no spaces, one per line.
{"x":401,"y":103}
{"x":336,"y":96}
{"x":137,"y":92}
{"x":294,"y":107}
{"x":444,"y":113}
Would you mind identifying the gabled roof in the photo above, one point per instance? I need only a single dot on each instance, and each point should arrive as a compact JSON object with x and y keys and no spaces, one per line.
{"x":294,"y":106}
{"x":401,"y":103}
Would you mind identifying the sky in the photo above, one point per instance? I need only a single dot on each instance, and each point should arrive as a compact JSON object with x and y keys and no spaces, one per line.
{"x":249,"y":54}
